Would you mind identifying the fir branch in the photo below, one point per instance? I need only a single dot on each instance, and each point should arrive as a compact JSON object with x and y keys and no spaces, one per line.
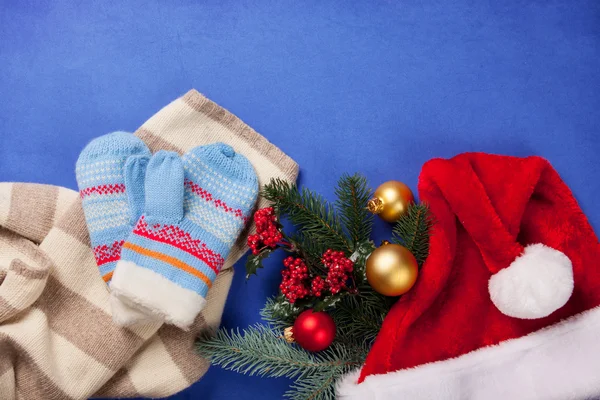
{"x":309,"y":250}
{"x":310,"y":212}
{"x":260,"y":350}
{"x":314,"y":387}
{"x":412,"y":231}
{"x":353,"y":194}
{"x":359,"y":318}
{"x":322,"y":387}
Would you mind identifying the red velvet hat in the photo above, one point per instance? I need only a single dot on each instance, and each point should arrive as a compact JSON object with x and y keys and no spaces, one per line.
{"x":506,"y":305}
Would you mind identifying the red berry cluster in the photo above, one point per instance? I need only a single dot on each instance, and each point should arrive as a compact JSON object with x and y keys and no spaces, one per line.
{"x":317,"y":286}
{"x":339,"y":271}
{"x":267,"y":233}
{"x":295,"y":283}
{"x":295,"y":273}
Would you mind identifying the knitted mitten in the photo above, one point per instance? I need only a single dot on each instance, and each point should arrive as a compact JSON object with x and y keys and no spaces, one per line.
{"x":195,"y":209}
{"x":110,"y":175}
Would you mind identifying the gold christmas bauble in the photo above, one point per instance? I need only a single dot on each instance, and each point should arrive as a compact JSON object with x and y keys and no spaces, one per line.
{"x":392,"y":270}
{"x":390,"y":201}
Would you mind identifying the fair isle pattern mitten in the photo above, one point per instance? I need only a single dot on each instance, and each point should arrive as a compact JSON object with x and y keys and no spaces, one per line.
{"x":110,"y":175}
{"x":196,"y":207}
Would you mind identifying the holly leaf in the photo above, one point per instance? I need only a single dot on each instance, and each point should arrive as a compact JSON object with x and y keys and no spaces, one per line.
{"x":327,"y":302}
{"x":360,"y":255}
{"x":254,"y":262}
{"x":283,"y":310}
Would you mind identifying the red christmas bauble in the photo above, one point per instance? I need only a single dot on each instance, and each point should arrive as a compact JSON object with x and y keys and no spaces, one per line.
{"x":314,"y":331}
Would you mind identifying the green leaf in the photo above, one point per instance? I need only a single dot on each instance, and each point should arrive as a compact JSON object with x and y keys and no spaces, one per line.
{"x":282,"y":310}
{"x":361,"y":253}
{"x":254,"y":262}
{"x":327,"y":302}
{"x":271,"y":314}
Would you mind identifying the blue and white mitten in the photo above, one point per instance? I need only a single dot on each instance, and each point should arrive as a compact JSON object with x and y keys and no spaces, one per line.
{"x":110,"y":174}
{"x":196,"y":207}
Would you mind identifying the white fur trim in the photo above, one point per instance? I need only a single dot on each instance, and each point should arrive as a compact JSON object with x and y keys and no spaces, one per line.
{"x":534,"y":285}
{"x":347,"y":385}
{"x":135,"y":285}
{"x":556,"y":363}
{"x":125,"y":314}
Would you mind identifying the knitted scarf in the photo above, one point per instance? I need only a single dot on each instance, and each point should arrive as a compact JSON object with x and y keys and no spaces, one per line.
{"x":57,"y":337}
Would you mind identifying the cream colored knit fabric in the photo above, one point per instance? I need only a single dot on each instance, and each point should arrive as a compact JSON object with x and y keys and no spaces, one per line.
{"x":57,"y":338}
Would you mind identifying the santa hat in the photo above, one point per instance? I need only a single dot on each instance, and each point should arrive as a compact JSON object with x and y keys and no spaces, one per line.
{"x":506,"y":305}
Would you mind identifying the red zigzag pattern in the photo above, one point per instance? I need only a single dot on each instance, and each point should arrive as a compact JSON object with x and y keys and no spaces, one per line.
{"x":206,"y":195}
{"x":105,"y":253}
{"x":103,"y":189}
{"x":181,"y":239}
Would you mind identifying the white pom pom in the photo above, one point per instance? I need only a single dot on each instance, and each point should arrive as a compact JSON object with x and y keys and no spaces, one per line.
{"x":534,"y":285}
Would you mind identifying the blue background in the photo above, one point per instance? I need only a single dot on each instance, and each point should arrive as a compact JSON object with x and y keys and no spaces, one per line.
{"x":372,"y":86}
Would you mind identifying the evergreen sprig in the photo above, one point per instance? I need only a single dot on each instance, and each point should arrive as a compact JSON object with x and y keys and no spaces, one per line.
{"x":310,"y":212}
{"x":359,"y":318}
{"x":353,"y":193}
{"x":340,"y":360}
{"x":261,"y":350}
{"x":412,"y":231}
{"x":310,"y":250}
{"x":358,"y":313}
{"x":314,"y":387}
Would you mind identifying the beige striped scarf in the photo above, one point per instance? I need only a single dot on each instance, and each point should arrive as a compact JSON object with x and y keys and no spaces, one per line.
{"x":57,"y":338}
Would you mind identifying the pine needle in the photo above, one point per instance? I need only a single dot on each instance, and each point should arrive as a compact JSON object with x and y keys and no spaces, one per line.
{"x":259,"y":350}
{"x":353,"y":194}
{"x":310,"y":212}
{"x":412,"y":231}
